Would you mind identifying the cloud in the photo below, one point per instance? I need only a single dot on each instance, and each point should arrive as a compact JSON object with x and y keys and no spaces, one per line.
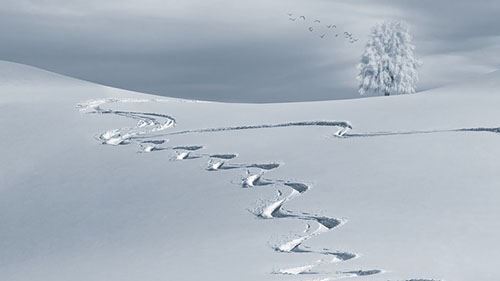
{"x":239,"y":50}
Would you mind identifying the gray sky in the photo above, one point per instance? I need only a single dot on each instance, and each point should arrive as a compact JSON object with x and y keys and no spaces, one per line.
{"x":246,"y":51}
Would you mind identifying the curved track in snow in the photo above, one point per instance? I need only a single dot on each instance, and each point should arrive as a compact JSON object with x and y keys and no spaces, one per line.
{"x":495,"y":130}
{"x":147,"y":122}
{"x":344,"y":125}
{"x":148,"y":130}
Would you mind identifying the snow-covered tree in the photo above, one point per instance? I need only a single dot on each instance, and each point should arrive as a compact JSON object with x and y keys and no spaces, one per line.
{"x":388,"y":65}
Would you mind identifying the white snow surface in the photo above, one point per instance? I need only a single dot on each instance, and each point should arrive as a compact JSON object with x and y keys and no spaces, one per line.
{"x":416,"y":179}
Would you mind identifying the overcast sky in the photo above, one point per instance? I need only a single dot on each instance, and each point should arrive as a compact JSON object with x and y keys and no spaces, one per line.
{"x":241,"y":50}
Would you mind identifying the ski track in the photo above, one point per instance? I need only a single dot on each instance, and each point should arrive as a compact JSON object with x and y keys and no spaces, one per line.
{"x":223,"y":156}
{"x":305,"y":269}
{"x":188,"y":147}
{"x":419,"y":279}
{"x":260,"y":166}
{"x":350,"y":274}
{"x":145,"y":135}
{"x":147,"y":123}
{"x":344,"y":125}
{"x":495,"y":130}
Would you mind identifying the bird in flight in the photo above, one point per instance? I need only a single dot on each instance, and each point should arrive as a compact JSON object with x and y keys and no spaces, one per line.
{"x":347,"y":35}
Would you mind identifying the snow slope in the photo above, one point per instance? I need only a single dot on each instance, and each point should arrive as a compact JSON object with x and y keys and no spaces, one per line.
{"x":99,"y":183}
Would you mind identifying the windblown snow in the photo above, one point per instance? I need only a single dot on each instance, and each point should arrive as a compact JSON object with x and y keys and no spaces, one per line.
{"x":104,"y":184}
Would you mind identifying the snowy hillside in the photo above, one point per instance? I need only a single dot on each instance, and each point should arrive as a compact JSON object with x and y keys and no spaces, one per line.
{"x":105,"y":184}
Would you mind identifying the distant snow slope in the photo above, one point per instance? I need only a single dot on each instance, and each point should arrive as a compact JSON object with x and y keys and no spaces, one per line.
{"x":103,"y":184}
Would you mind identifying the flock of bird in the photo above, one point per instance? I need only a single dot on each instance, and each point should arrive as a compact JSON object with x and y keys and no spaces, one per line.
{"x":325,"y":30}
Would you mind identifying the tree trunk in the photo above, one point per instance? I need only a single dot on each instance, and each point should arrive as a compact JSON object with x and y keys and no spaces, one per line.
{"x":387,"y":94}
